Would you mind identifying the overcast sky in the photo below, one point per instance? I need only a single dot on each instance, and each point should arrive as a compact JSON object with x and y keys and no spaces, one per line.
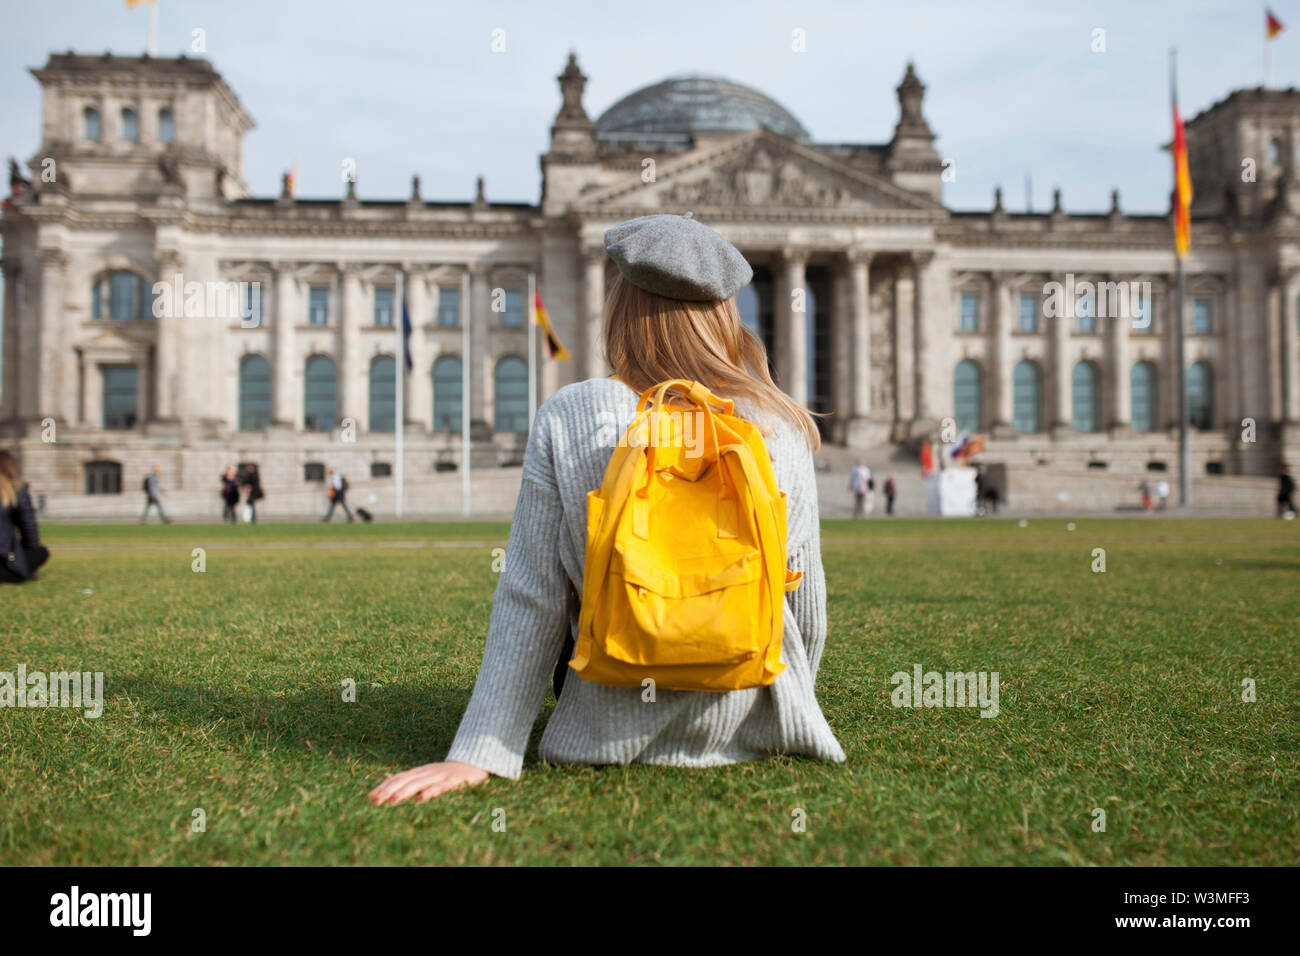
{"x":1014,"y":89}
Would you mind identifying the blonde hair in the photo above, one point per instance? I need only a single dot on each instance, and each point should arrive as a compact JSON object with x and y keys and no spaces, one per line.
{"x":11,"y":480}
{"x":650,"y":338}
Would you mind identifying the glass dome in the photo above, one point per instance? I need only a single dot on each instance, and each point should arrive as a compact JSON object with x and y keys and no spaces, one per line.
{"x":681,"y":105}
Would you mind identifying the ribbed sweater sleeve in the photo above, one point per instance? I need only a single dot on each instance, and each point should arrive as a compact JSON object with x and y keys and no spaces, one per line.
{"x":808,"y":601}
{"x":526,"y":631}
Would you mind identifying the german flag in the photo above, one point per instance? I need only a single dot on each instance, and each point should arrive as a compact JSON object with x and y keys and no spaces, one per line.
{"x":1272,"y":25}
{"x":554,"y":347}
{"x":1182,"y":188}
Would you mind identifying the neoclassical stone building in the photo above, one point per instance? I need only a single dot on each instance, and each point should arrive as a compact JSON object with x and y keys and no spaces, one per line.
{"x":894,"y":316}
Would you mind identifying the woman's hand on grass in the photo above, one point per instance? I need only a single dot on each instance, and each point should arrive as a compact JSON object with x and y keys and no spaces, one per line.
{"x":427,"y":782}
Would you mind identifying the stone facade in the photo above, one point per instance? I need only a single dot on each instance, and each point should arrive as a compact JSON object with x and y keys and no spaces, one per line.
{"x":893,"y":316}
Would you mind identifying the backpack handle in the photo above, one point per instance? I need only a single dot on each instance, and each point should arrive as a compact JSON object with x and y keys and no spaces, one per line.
{"x":695,"y":393}
{"x":700,"y":396}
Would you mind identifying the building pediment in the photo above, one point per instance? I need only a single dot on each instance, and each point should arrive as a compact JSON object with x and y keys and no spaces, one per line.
{"x":110,"y":345}
{"x":756,"y":170}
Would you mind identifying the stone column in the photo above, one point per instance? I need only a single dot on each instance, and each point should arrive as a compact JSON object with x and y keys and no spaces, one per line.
{"x":593,"y":304}
{"x":904,"y":351}
{"x":91,"y":413}
{"x":9,"y":365}
{"x":49,"y":360}
{"x":860,"y":332}
{"x":1002,"y":367}
{"x":352,"y":366}
{"x":795,"y":308}
{"x":1121,"y":365}
{"x":419,"y":382}
{"x":922,"y":378}
{"x":167,"y":340}
{"x":1062,"y":409}
{"x":286,"y":393}
{"x":480,"y":324}
{"x":1290,"y":360}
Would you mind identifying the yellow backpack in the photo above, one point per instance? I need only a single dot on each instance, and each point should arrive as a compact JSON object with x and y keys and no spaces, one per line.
{"x":685,"y":568}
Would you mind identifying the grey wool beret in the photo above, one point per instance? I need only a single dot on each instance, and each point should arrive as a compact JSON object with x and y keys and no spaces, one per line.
{"x":678,"y":258}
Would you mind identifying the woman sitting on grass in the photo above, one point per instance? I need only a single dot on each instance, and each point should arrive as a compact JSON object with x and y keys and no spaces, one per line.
{"x":21,"y":553}
{"x":671,"y":314}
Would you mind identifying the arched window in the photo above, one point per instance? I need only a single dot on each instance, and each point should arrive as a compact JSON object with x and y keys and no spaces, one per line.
{"x":1085,"y":395}
{"x":967,"y":395}
{"x":1200,"y":396}
{"x":90,"y":123}
{"x":119,"y":295}
{"x":320,"y":391}
{"x":1027,"y":398}
{"x":383,"y":393}
{"x":1143,"y":397}
{"x":166,"y":126}
{"x":510,"y":394}
{"x":130,"y":125}
{"x":254,"y":393}
{"x":447,"y":394}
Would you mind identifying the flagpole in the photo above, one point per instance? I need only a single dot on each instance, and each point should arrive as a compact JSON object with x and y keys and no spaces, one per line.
{"x":532,"y":349}
{"x":153,"y":29}
{"x":1180,"y":348}
{"x":399,"y":413}
{"x":465,"y":315}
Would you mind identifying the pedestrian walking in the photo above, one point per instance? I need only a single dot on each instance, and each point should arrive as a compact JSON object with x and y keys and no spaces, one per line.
{"x":338,"y":492}
{"x":862,"y":486}
{"x":230,"y":495}
{"x":252,"y":483}
{"x":1285,"y":491}
{"x":153,"y":494}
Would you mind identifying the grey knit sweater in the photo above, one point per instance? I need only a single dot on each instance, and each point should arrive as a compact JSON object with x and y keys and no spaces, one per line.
{"x":572,"y":439}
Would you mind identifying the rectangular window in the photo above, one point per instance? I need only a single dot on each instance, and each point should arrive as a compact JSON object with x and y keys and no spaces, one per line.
{"x":313,"y":471}
{"x":970,"y":312}
{"x":121,"y":392}
{"x":449,"y":308}
{"x":1085,"y":311}
{"x":1144,"y":316}
{"x":1202,"y":316}
{"x":103,"y":478}
{"x":251,"y":315}
{"x":123,"y":295}
{"x":318,"y":312}
{"x":166,"y":126}
{"x":384,"y":306}
{"x":1028,"y":313}
{"x":513,"y":317}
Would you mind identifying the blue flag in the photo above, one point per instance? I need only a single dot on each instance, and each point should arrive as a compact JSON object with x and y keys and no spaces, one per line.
{"x":406,"y":334}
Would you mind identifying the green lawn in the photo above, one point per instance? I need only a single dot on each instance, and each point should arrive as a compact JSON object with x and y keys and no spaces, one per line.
{"x":1119,"y":690}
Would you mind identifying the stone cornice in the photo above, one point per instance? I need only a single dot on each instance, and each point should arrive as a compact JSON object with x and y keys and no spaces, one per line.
{"x":778,"y":215}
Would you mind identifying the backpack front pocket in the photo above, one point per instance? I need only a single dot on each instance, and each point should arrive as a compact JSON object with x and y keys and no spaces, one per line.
{"x":700,"y":612}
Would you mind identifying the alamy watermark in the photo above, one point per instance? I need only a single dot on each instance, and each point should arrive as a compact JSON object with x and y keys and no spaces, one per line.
{"x":78,"y":689}
{"x":922,"y":688}
{"x":208,"y":300}
{"x":1102,"y":300}
{"x":659,"y":428}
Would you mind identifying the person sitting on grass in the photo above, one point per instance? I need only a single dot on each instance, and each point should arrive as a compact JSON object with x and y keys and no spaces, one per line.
{"x":670,"y":314}
{"x":21,"y":552}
